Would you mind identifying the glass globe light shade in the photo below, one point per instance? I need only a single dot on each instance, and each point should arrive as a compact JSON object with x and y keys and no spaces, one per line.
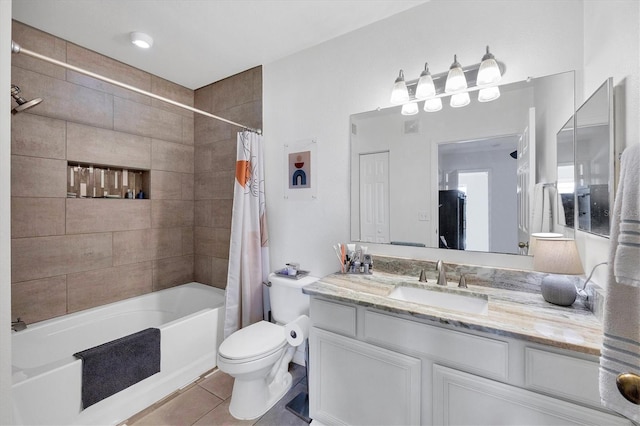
{"x":433,"y":105}
{"x":459,"y":100}
{"x":409,"y":109}
{"x":400,"y":93}
{"x":425,"y":88}
{"x":456,"y":80}
{"x":488,"y":94}
{"x":489,"y":72}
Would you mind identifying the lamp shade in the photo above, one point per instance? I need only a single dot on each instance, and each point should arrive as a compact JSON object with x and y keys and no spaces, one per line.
{"x":488,"y":94}
{"x":425,"y":88}
{"x":557,"y":256}
{"x":433,"y":105}
{"x":489,"y":72}
{"x":410,"y":108}
{"x":399,"y":93}
{"x":459,"y":100}
{"x":456,"y":80}
{"x":537,"y":235}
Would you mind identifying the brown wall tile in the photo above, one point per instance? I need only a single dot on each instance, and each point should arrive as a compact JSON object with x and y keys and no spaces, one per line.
{"x":92,"y":145}
{"x":132,"y":246}
{"x":40,"y":257}
{"x":37,"y":217}
{"x":171,"y":156}
{"x":202,"y":269}
{"x":166,"y":185}
{"x":103,"y":215}
{"x":99,"y":287}
{"x":171,"y":213}
{"x":38,"y":177}
{"x":214,"y":185}
{"x":166,"y":242}
{"x":172,"y":271}
{"x":187,"y":241}
{"x":67,"y":101}
{"x":203,"y":213}
{"x":138,"y":119}
{"x":173,"y":91}
{"x":40,"y":42}
{"x":38,"y":300}
{"x":37,"y":136}
{"x":219,"y":271}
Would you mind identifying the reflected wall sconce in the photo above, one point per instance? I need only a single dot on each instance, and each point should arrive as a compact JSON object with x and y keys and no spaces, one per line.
{"x":457,"y":83}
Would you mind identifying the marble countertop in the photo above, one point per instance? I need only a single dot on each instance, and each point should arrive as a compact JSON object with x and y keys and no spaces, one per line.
{"x":515,"y":314}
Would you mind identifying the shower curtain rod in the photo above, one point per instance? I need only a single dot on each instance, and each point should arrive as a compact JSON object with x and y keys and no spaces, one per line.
{"x":16,"y":48}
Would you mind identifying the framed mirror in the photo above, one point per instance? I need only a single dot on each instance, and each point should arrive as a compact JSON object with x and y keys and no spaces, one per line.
{"x":401,"y":164}
{"x":594,"y":161}
{"x":565,"y":172}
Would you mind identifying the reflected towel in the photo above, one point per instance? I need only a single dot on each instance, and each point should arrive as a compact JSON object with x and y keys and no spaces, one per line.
{"x":621,"y":343}
{"x":116,"y":365}
{"x":541,"y":220}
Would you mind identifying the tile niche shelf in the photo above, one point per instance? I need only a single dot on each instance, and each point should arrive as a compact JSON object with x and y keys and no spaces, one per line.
{"x":92,"y":181}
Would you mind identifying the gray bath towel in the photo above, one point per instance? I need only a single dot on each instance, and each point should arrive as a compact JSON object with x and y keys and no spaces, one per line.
{"x":116,"y":365}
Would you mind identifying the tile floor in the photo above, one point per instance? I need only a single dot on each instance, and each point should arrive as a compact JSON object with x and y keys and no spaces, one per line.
{"x":206,"y":402}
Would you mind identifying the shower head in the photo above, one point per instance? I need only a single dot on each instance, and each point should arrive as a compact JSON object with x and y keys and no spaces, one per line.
{"x":23,"y":104}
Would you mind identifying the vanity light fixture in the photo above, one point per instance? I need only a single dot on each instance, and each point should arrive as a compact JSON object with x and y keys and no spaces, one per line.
{"x":489,"y":72}
{"x":458,"y":82}
{"x":141,"y":40}
{"x":400,"y":93}
{"x":410,"y":108}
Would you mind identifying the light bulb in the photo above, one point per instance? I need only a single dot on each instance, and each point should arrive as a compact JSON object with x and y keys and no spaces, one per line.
{"x":425,"y":88}
{"x":400,"y":93}
{"x":456,"y":80}
{"x":433,"y":105}
{"x":459,"y":100}
{"x":489,"y":72}
{"x":488,"y":94}
{"x":141,"y":40}
{"x":409,"y":109}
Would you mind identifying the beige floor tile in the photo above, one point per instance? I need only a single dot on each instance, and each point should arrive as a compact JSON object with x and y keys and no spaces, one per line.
{"x":183,"y":410}
{"x":220,"y":384}
{"x":220,"y":416}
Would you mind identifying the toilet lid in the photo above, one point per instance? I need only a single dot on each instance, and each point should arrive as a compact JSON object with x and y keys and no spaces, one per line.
{"x":257,"y":339}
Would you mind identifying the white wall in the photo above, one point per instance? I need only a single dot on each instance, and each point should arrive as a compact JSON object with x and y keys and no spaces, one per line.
{"x":313,"y":93}
{"x":5,"y":218}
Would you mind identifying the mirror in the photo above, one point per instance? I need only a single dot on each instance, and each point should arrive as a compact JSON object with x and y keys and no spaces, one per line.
{"x":484,"y":153}
{"x":594,"y":161}
{"x":565,"y":174}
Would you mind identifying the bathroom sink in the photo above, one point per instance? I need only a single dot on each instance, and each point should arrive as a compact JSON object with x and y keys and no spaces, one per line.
{"x":471,"y":303}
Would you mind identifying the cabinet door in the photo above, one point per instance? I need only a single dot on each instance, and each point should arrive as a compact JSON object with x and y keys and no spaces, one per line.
{"x":351,"y":382}
{"x":464,"y":399}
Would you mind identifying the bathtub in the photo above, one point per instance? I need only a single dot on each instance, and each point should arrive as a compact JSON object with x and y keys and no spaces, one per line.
{"x":47,"y":377}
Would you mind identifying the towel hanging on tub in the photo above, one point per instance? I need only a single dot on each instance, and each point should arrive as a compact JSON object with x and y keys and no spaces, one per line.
{"x":620,"y":354}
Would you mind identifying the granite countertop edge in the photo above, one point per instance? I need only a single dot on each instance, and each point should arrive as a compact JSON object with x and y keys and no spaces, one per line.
{"x":512,"y":314}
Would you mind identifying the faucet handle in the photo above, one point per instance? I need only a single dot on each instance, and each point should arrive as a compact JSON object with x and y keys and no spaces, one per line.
{"x":423,"y":277}
{"x":442,"y":275}
{"x":463,"y":282}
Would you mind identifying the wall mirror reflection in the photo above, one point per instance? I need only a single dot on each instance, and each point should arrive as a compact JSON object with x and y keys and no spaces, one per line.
{"x":566,"y":175}
{"x":594,"y":161}
{"x":459,"y":178}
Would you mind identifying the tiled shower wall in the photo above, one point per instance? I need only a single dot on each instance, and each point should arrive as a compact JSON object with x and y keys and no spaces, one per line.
{"x":237,"y":98}
{"x":70,"y":254}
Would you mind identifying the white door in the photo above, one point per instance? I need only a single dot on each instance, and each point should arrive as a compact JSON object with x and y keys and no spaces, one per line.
{"x":374,"y":197}
{"x":526,"y":179}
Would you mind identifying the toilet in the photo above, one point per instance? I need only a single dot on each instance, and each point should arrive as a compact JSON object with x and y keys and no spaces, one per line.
{"x":258,"y":356}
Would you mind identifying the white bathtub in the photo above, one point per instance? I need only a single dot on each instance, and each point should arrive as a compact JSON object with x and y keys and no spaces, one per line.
{"x":47,"y":377}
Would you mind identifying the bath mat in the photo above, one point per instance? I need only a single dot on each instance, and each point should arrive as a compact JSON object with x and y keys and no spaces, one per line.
{"x":113,"y":366}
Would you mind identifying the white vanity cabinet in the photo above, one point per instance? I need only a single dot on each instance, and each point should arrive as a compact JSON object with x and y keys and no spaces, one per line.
{"x":372,"y":367}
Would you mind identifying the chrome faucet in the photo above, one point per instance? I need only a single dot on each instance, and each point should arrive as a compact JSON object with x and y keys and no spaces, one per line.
{"x":442,"y":275}
{"x":18,"y":325}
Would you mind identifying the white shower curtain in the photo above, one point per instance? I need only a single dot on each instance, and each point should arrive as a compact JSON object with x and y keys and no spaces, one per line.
{"x":248,"y":249}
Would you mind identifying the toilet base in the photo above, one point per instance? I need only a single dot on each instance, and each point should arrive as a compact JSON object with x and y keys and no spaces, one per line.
{"x":251,"y":399}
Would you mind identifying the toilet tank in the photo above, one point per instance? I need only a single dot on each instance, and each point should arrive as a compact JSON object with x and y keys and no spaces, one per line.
{"x":286,"y":297}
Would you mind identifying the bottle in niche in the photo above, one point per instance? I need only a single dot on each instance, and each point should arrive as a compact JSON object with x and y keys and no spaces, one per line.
{"x":140,"y":195}
{"x":129,"y":193}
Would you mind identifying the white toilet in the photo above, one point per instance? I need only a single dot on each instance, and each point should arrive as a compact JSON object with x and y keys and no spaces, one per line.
{"x":258,"y":356}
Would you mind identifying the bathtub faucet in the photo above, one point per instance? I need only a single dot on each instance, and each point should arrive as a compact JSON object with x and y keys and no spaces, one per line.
{"x":18,"y":325}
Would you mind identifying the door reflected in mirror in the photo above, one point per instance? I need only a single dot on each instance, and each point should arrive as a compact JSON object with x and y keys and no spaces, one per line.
{"x":594,"y":161}
{"x":566,"y":175}
{"x":400,"y":164}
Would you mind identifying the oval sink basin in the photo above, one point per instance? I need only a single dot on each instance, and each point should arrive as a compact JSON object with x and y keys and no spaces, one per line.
{"x":477,"y":304}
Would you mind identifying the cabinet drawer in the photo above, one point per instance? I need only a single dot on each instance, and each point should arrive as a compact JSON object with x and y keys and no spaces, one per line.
{"x":477,"y":354}
{"x":562,"y":375}
{"x":333,"y":317}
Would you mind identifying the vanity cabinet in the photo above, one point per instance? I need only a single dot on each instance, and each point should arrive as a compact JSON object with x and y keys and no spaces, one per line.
{"x":374,"y":367}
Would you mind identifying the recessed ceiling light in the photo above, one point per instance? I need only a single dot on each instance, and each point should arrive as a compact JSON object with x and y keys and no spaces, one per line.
{"x":141,"y":39}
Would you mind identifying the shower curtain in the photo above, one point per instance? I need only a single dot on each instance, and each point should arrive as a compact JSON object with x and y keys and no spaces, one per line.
{"x":248,"y":249}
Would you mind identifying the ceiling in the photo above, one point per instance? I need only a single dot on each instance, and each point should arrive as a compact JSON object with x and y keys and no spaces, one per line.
{"x":198,"y":42}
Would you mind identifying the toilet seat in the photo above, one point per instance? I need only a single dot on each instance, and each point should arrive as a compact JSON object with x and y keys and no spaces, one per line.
{"x":256,"y":341}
